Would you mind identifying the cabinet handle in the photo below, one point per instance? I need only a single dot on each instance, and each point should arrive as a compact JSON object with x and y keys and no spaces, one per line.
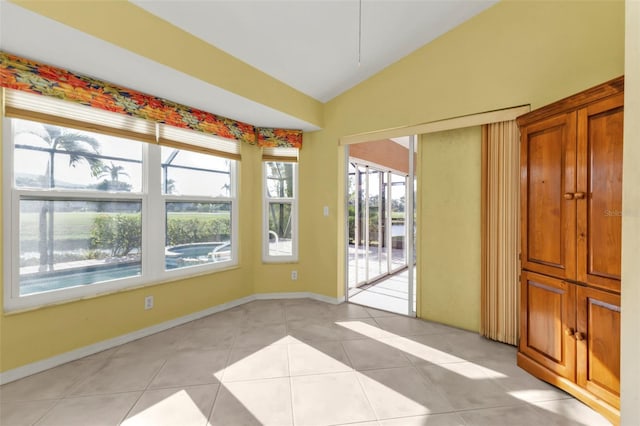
{"x":568,"y":196}
{"x":579,"y":195}
{"x":568,"y":331}
{"x":579,"y":336}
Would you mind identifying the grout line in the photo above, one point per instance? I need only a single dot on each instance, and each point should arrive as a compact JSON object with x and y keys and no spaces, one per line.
{"x":293,"y":417}
{"x":156,"y":373}
{"x":286,"y":332}
{"x":346,"y":353}
{"x":213,"y":404}
{"x":76,"y":384}
{"x":122,"y":419}
{"x":366,"y":396}
{"x":232,"y":346}
{"x":55,"y":403}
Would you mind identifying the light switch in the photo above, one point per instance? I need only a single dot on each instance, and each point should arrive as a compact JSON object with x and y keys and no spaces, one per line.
{"x":325,"y":210}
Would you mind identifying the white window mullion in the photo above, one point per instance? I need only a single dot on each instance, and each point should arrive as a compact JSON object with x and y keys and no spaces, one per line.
{"x":8,"y":237}
{"x":153,"y":228}
{"x":14,"y":256}
{"x":27,"y":194}
{"x":196,"y":199}
{"x":388,"y":223}
{"x":366,"y":227}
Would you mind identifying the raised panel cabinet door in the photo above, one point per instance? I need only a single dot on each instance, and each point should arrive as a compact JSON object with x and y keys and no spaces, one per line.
{"x":547,"y":180}
{"x":599,"y":189}
{"x":547,"y":321}
{"x":598,"y":343}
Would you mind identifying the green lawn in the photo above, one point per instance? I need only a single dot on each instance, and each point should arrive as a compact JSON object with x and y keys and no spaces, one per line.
{"x":68,"y":225}
{"x":77,"y":225}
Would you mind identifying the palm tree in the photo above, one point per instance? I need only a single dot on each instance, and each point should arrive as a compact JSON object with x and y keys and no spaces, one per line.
{"x":114,"y":172}
{"x":79,"y":147}
{"x":170,"y":186}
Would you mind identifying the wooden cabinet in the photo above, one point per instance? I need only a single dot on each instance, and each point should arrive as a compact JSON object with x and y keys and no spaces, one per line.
{"x":548,"y":173}
{"x":571,"y":222}
{"x":598,"y":343}
{"x":599,"y":212}
{"x":547,"y":316}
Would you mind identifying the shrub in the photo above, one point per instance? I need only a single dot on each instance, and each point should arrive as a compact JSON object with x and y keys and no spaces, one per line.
{"x":119,"y":233}
{"x":197,"y":230}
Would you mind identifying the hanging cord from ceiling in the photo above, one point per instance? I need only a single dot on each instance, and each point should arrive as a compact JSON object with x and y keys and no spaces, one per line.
{"x":359,"y":32}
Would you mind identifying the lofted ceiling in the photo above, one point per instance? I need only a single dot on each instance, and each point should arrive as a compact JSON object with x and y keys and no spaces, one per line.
{"x":317,"y":47}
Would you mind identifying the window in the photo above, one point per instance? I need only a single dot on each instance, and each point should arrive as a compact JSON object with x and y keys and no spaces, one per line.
{"x":280,"y":222}
{"x":198,"y":194}
{"x":83,"y":209}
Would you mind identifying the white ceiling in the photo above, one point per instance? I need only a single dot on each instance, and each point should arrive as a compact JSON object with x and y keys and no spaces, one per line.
{"x":311,"y":45}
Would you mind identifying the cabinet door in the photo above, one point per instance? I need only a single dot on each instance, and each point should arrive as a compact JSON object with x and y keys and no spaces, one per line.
{"x":547,"y":176}
{"x":598,"y":343}
{"x":599,"y":201}
{"x":547,"y":322}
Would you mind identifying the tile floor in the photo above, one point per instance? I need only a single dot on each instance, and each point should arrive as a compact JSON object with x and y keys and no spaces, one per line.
{"x":295,"y":362}
{"x":390,"y":294}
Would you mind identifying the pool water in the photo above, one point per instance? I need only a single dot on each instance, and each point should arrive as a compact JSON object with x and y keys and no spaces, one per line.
{"x":194,"y":254}
{"x":175,"y":257}
{"x":38,"y":283}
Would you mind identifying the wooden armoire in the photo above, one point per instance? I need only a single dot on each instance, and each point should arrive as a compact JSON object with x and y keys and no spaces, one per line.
{"x":571,"y":228}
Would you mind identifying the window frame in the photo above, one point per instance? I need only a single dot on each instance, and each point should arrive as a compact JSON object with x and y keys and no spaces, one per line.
{"x":153,"y":204}
{"x":267,"y":201}
{"x":232,"y":198}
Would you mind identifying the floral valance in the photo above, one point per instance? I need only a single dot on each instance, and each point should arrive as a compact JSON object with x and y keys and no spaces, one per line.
{"x":284,"y":138}
{"x":30,"y":76}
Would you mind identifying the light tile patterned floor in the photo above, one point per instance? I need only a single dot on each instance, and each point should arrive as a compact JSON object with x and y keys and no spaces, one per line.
{"x":295,"y":362}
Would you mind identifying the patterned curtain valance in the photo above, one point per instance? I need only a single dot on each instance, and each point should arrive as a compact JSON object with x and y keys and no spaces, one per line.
{"x":30,"y":76}
{"x":284,"y":138}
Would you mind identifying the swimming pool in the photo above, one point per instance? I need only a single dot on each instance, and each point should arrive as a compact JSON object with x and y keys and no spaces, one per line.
{"x":175,"y":257}
{"x":72,"y":277}
{"x":196,"y":254}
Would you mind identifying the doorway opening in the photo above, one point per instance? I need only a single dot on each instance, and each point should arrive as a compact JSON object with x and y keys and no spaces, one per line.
{"x":381,"y":224}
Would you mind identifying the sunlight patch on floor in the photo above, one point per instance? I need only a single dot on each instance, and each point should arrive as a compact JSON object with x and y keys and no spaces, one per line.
{"x":422,"y":351}
{"x":178,"y":406}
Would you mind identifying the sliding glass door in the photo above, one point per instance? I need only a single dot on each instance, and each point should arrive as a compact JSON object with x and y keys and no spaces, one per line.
{"x":377,"y":231}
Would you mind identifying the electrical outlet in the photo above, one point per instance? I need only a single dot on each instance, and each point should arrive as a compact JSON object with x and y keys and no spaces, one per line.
{"x":148,"y":302}
{"x":294,"y":275}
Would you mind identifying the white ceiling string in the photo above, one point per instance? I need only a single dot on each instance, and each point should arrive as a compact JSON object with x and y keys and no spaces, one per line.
{"x":359,"y":32}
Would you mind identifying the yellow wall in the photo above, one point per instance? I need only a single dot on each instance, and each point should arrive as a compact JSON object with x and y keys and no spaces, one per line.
{"x":512,"y":54}
{"x":449,"y":239}
{"x":630,"y":373}
{"x":1,"y":238}
{"x":515,"y":53}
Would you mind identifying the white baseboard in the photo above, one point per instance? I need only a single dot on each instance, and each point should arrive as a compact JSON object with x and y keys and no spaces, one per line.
{"x":299,"y":295}
{"x":45,"y":364}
